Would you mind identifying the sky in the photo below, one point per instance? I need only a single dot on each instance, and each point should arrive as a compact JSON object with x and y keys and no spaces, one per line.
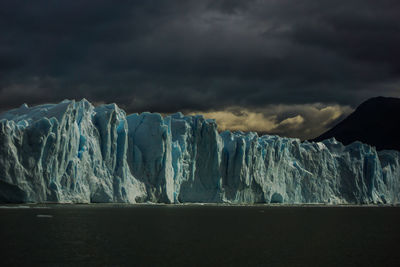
{"x":293,"y":68}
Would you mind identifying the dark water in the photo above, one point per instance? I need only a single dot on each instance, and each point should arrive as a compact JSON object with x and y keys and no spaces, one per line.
{"x":109,"y":235}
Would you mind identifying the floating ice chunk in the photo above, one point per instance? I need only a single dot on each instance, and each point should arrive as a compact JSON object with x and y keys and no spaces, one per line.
{"x":44,"y":216}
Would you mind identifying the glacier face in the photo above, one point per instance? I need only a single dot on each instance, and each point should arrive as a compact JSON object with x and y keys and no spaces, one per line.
{"x":75,"y":152}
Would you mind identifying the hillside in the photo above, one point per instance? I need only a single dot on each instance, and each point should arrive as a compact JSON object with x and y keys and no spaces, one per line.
{"x":375,"y":122}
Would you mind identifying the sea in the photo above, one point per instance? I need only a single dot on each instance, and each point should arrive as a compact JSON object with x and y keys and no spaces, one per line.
{"x":199,"y":235}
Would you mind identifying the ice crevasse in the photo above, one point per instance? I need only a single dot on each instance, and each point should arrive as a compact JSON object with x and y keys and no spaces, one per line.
{"x":75,"y":152}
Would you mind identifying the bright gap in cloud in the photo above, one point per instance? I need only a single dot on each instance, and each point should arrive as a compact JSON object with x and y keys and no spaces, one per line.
{"x":301,"y":121}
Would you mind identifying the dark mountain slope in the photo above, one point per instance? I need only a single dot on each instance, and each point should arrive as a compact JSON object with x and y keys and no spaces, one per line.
{"x":375,"y":122}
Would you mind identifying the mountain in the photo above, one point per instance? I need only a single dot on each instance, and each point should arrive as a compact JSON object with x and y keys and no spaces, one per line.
{"x":375,"y":122}
{"x":75,"y":152}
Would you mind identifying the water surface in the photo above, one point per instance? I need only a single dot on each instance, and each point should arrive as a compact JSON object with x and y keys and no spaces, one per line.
{"x":196,"y":235}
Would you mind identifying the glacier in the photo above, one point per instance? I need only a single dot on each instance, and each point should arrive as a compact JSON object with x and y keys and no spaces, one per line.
{"x":74,"y":152}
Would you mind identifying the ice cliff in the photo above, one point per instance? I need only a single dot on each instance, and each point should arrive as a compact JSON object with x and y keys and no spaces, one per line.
{"x":75,"y":152}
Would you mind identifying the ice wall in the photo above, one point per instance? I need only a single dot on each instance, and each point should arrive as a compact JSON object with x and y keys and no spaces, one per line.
{"x":75,"y":152}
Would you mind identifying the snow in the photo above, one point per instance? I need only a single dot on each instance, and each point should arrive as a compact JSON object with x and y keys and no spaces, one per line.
{"x":75,"y":152}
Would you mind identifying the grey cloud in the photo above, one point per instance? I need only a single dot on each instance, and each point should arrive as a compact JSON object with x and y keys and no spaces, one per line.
{"x":167,"y":56}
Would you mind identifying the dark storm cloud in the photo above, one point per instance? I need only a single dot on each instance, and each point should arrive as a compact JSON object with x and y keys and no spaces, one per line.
{"x":167,"y":56}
